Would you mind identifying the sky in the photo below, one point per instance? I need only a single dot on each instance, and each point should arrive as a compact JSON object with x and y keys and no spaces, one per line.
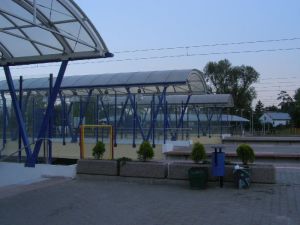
{"x":148,"y":24}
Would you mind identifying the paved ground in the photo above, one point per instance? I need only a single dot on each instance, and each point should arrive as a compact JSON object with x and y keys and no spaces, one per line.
{"x":89,"y":201}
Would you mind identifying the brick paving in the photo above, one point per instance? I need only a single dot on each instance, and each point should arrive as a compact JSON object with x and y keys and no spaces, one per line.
{"x":113,"y":202}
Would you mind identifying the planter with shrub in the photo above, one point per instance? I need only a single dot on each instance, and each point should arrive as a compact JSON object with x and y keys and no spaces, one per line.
{"x":98,"y":150}
{"x":242,"y":175}
{"x":198,"y":176}
{"x":144,"y":167}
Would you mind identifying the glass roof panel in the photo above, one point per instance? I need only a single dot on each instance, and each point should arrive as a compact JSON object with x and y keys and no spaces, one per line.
{"x":47,"y":51}
{"x":37,"y":34}
{"x":53,"y":10}
{"x":11,"y":6}
{"x":20,"y":48}
{"x":155,"y":77}
{"x":16,"y":21}
{"x":4,"y":22}
{"x":57,"y":23}
{"x":75,"y":30}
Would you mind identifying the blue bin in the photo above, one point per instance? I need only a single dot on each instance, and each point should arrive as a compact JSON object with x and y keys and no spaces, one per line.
{"x":218,"y":164}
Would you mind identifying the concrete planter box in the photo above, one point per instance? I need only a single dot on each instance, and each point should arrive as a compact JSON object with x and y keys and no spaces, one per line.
{"x":97,"y":167}
{"x":144,"y":169}
{"x":263,"y":173}
{"x":260,"y":173}
{"x":179,"y":171}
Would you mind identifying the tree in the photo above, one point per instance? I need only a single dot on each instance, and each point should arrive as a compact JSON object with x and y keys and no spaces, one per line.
{"x":295,"y":114}
{"x":235,"y":80}
{"x":272,"y":108}
{"x":286,"y":101}
{"x":259,"y":110}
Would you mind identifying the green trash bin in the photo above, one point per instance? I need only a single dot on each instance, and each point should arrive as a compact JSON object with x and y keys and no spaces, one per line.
{"x":198,"y":177}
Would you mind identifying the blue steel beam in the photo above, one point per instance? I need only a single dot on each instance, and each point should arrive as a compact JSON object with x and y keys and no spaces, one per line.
{"x":135,"y":113}
{"x":123,"y":111}
{"x":165,"y":119}
{"x":18,"y":113}
{"x":97,"y":117}
{"x":49,"y":111}
{"x":155,"y":113}
{"x":67,"y":112}
{"x":209,"y":117}
{"x":115,"y":122}
{"x":4,"y":108}
{"x":51,"y":119}
{"x":20,"y":105}
{"x":84,"y":109}
{"x":180,"y":124}
{"x":134,"y":122}
{"x":106,"y":114}
{"x":152,"y":130}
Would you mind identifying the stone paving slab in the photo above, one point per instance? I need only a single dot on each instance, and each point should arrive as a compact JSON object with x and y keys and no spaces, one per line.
{"x":89,"y":201}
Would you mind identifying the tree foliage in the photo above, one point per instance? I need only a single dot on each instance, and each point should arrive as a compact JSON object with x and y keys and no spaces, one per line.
{"x":286,"y":101}
{"x":234,"y":80}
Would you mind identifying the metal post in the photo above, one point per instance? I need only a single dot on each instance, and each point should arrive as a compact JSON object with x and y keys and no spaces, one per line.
{"x":4,"y":109}
{"x":221,"y":122}
{"x":181,"y":120}
{"x":20,"y":105}
{"x":137,"y":120}
{"x":33,"y":116}
{"x":153,"y":121}
{"x":115,"y":122}
{"x":64,"y":120}
{"x":18,"y":113}
{"x":97,"y":118}
{"x":50,"y":122}
{"x":134,"y":122}
{"x":159,"y":105}
{"x":49,"y":110}
{"x":165,"y":119}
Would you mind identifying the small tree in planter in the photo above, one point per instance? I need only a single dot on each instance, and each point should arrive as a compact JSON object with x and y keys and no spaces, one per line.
{"x":99,"y":150}
{"x":145,"y":151}
{"x":198,"y":152}
{"x":242,"y":175}
{"x":245,"y":153}
{"x":198,"y":176}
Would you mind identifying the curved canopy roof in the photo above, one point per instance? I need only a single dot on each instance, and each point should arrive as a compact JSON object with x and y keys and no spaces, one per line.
{"x":206,"y":100}
{"x":40,"y":31}
{"x":178,"y":81}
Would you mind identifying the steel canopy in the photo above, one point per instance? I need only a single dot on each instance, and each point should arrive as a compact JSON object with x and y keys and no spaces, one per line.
{"x":42,"y":31}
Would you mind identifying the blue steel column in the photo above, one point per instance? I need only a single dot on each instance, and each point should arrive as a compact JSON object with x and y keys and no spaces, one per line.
{"x":33,"y":116}
{"x":152,"y":120}
{"x":50,"y":121}
{"x":115,"y":122}
{"x":64,"y":116}
{"x":49,"y":111}
{"x":159,"y":105}
{"x":97,"y":117}
{"x":165,"y":119}
{"x":18,"y":113}
{"x":20,"y":105}
{"x":4,"y":108}
{"x":187,"y":123}
{"x":136,"y":113}
{"x":181,"y":120}
{"x":134,"y":122}
{"x":221,"y":125}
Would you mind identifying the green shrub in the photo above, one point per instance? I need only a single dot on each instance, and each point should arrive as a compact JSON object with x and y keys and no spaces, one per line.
{"x":145,"y":151}
{"x":198,"y":152}
{"x":245,"y":153}
{"x":99,"y":150}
